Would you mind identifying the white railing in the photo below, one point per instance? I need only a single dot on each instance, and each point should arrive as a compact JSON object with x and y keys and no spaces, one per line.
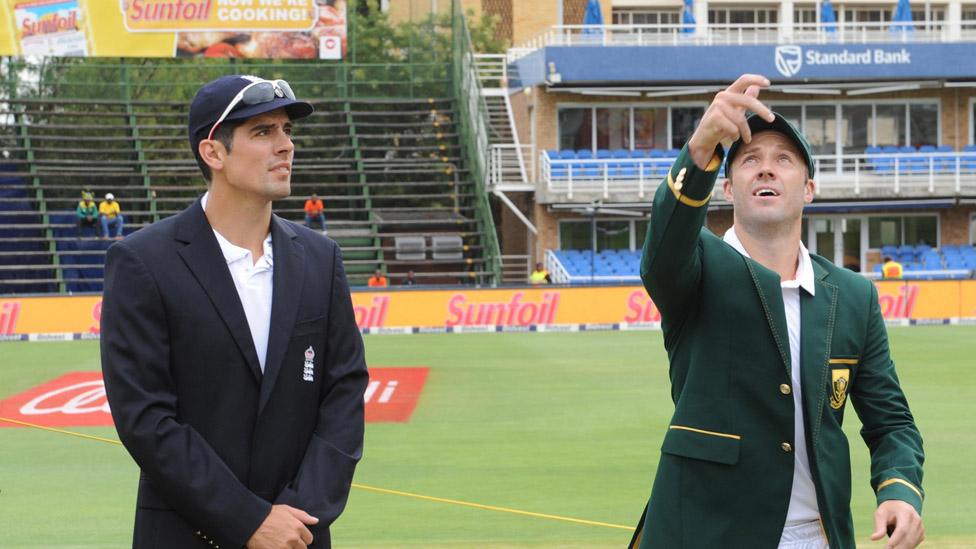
{"x":492,"y":69}
{"x":896,"y":173}
{"x":742,"y":34}
{"x":603,"y":175}
{"x":557,"y":272}
{"x":506,"y":164}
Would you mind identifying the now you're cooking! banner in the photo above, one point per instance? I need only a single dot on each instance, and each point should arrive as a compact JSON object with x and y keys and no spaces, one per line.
{"x":289,"y":29}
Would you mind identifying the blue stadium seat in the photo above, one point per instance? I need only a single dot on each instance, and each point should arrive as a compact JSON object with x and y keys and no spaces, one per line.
{"x":620,"y":153}
{"x":967,"y":162}
{"x":584,"y":154}
{"x":947,"y":163}
{"x":603,"y":153}
{"x":567,"y":154}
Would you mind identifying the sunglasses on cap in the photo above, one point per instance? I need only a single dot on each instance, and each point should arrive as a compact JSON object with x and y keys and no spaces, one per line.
{"x":256,"y":93}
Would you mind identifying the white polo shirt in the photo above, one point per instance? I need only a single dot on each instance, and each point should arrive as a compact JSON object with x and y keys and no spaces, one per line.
{"x":254,"y":283}
{"x":803,"y":499}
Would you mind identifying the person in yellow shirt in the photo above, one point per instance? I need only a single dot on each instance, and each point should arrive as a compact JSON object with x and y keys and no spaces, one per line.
{"x":110,"y":214}
{"x":540,"y":275}
{"x":891,"y":268}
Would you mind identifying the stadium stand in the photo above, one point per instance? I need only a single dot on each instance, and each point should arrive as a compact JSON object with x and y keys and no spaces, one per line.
{"x":384,"y":168}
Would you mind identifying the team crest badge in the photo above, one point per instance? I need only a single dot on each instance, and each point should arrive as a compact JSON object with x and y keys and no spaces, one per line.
{"x":308,"y":374}
{"x":840,"y":379}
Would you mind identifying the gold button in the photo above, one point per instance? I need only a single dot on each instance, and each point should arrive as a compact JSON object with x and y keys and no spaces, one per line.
{"x":786,"y":447}
{"x":785,"y":389}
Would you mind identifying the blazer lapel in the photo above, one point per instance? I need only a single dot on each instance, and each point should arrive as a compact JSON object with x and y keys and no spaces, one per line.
{"x":289,"y":274}
{"x":817,"y":327}
{"x":205,"y":260}
{"x":771,"y":295}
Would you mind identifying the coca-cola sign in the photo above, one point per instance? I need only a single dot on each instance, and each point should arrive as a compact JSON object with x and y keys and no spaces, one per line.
{"x":72,"y":400}
{"x":78,"y":399}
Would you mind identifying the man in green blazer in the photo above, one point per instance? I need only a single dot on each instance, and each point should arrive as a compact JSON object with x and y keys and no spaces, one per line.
{"x":766,"y":344}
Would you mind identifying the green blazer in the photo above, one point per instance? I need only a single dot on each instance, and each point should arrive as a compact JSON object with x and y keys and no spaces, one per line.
{"x":726,"y":467}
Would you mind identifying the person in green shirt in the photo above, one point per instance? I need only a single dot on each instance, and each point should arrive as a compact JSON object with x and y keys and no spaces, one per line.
{"x":87,"y":212}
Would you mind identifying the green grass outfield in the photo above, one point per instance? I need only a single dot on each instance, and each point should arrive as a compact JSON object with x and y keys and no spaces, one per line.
{"x":561,"y":424}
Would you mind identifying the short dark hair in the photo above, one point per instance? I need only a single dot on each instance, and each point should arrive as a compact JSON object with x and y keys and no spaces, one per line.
{"x":224,"y":134}
{"x":887,"y":258}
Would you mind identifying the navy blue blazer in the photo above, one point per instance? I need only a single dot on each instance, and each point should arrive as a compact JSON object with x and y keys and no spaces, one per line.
{"x":217,"y":441}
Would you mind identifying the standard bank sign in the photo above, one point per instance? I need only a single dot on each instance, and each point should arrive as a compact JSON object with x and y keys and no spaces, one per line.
{"x":791,"y":59}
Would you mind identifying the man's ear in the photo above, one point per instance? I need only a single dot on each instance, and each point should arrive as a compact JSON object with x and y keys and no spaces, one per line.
{"x":809,"y":190}
{"x":213,"y":153}
{"x":727,"y":189}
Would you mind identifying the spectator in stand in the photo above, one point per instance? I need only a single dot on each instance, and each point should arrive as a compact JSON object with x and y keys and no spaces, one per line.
{"x":110,"y":214}
{"x":87,"y":212}
{"x":378,"y":280}
{"x":540,"y":275}
{"x":892,"y":269}
{"x":315,"y":211}
{"x":410,"y":280}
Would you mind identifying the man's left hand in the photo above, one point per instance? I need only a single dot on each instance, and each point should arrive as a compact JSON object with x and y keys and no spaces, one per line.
{"x":908,"y":530}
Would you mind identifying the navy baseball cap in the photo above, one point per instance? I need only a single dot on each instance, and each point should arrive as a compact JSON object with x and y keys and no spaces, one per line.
{"x":213,"y":98}
{"x":781,"y":125}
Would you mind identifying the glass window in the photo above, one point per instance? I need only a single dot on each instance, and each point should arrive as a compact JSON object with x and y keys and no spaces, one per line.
{"x":684,"y":120}
{"x":855,"y":121}
{"x":575,"y":129}
{"x":651,"y":128}
{"x":612,"y":235}
{"x":575,"y":235}
{"x":821,"y":129}
{"x":884,"y":231}
{"x":922,"y":230}
{"x":640,"y":232}
{"x":613,"y":128}
{"x":924,"y":121}
{"x":889,"y":125}
{"x":793,"y":113}
{"x":805,"y":16}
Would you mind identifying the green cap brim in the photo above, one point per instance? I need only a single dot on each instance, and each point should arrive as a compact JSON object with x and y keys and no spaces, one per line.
{"x":781,"y":125}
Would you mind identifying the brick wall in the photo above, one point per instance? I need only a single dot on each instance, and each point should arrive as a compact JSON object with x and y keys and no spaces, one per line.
{"x":502,"y":9}
{"x":955,"y":224}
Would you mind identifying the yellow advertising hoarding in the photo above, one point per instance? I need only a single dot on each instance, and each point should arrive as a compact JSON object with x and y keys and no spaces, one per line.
{"x":512,"y":307}
{"x":294,"y":29}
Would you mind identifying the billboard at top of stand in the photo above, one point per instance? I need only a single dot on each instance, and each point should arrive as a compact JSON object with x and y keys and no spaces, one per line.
{"x":281,"y":29}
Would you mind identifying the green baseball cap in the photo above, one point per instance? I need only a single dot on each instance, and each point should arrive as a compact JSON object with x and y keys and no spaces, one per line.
{"x":779,"y":124}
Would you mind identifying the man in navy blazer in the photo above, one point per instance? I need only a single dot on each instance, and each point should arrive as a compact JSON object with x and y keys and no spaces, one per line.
{"x":232,"y":361}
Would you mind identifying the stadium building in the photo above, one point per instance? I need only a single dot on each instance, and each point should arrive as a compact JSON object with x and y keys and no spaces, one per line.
{"x":435,"y":155}
{"x":601,"y":101}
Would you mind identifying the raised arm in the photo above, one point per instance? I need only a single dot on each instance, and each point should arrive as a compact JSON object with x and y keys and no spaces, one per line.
{"x":671,"y":267}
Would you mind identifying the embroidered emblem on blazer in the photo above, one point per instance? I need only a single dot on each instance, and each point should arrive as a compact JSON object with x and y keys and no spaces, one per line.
{"x":308,"y":374}
{"x":840,"y":378}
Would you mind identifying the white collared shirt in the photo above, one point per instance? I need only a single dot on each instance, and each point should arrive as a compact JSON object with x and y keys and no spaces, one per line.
{"x":254,"y":283}
{"x":803,"y":499}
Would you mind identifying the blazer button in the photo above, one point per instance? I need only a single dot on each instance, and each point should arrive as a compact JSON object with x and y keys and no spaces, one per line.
{"x":786,"y":447}
{"x":785,"y":389}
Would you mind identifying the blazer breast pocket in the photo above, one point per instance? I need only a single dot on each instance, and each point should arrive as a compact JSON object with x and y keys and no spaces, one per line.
{"x":309,"y":327}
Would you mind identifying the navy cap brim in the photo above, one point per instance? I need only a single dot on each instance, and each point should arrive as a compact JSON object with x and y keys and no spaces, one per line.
{"x":295,"y":109}
{"x":780,"y":125}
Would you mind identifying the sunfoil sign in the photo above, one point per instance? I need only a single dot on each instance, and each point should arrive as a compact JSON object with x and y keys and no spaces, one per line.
{"x":783,"y":63}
